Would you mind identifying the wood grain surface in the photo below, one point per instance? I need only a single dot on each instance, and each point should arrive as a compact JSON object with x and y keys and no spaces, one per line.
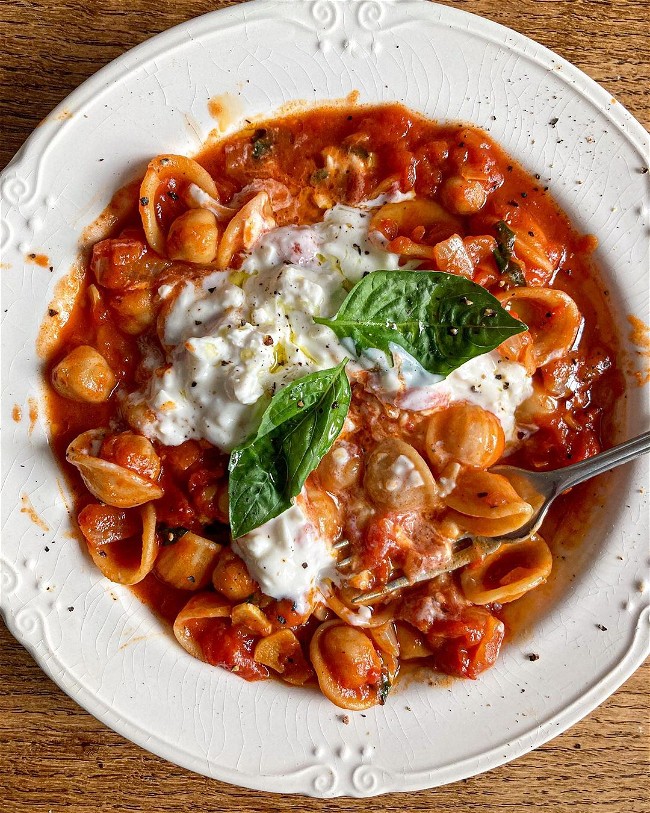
{"x":54,"y":757}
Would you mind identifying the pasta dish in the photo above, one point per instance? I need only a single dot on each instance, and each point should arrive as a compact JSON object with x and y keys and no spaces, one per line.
{"x":290,"y":370}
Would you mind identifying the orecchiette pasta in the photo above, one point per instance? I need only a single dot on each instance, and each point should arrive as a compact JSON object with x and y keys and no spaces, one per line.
{"x":464,"y":433}
{"x":250,"y":222}
{"x":111,"y":483}
{"x":486,"y":504}
{"x":347,"y":665}
{"x":252,"y":617}
{"x":398,"y":477}
{"x":412,"y":644}
{"x":282,"y":652}
{"x":209,"y":304}
{"x":552,"y":317}
{"x":341,"y":467}
{"x":118,"y":554}
{"x":200,"y":609}
{"x":508,"y":573}
{"x":404,"y":218}
{"x":160,"y":170}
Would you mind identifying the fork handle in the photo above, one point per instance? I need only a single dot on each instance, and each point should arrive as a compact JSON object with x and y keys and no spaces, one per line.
{"x":605,"y":461}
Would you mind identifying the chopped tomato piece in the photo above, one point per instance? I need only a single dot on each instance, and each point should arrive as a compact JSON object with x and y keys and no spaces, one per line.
{"x":125,"y":263}
{"x":231,"y":647}
{"x":468,"y":645}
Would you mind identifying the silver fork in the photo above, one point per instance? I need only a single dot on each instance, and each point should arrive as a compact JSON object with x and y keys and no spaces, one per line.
{"x":545,"y":486}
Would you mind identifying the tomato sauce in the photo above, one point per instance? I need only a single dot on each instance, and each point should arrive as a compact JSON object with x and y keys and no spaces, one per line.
{"x":418,"y":155}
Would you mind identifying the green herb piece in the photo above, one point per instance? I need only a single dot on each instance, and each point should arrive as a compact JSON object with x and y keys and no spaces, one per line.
{"x":297,"y":430}
{"x":261,"y":144}
{"x":442,"y":320}
{"x":170,"y":536}
{"x":319,"y":175}
{"x":503,"y":255}
{"x":360,"y":151}
{"x":384,"y":687}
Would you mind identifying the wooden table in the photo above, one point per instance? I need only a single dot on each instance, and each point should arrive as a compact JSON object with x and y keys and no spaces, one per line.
{"x":56,"y":757}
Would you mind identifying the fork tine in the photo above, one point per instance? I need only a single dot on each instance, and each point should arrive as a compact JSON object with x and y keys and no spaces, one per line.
{"x":342,"y":543}
{"x":459,"y":559}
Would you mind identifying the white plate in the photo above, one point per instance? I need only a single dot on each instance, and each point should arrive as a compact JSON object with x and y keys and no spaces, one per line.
{"x":109,"y":652}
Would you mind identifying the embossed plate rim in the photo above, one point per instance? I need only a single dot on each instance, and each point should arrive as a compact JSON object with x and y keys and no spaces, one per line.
{"x":337,"y":760}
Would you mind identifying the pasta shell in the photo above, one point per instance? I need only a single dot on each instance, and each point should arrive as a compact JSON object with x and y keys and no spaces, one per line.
{"x":329,"y":657}
{"x":250,"y":222}
{"x":115,"y":485}
{"x":552,"y":317}
{"x":398,"y":477}
{"x":484,"y":494}
{"x":118,"y":560}
{"x":465,"y":433}
{"x":412,"y":644}
{"x":199,"y":608}
{"x":161,"y":168}
{"x":363,"y":616}
{"x":189,"y":562}
{"x":409,"y":214}
{"x":282,"y":652}
{"x":508,"y":573}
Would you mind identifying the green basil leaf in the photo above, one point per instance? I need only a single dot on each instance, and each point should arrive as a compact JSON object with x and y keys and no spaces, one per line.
{"x":442,"y":320}
{"x":297,"y":429}
{"x":261,"y":144}
{"x":503,"y":255}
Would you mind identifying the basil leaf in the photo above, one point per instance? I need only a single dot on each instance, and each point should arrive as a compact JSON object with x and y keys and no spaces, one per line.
{"x":261,"y":144}
{"x":503,"y":255}
{"x":442,"y":320}
{"x":385,"y":686}
{"x":297,"y":429}
{"x":170,"y":536}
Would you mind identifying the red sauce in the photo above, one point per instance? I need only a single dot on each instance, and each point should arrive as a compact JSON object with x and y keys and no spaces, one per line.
{"x":420,"y":155}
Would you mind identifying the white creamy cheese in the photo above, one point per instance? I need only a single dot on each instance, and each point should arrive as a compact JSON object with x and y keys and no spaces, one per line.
{"x":286,"y":556}
{"x":234,"y":338}
{"x":403,"y":475}
{"x":489,"y":381}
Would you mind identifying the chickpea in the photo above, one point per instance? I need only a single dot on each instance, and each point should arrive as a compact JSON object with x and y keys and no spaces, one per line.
{"x":231,"y":578}
{"x":84,"y":375}
{"x":136,"y":310}
{"x":463,"y":197}
{"x":350,"y":656}
{"x":193,"y":237}
{"x":134,"y":452}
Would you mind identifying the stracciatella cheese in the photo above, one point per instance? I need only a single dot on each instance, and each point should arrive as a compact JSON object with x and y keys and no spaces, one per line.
{"x":286,"y":556}
{"x":234,"y":338}
{"x":403,"y":475}
{"x":489,"y":381}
